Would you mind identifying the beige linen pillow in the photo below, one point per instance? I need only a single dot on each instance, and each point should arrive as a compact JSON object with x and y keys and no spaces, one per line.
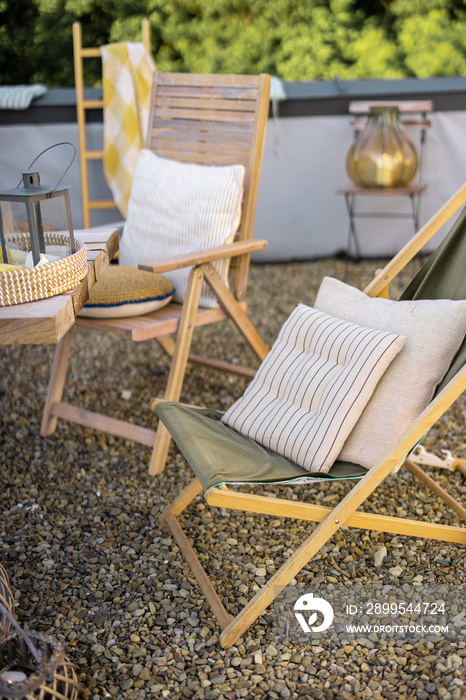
{"x":177,"y":208}
{"x":434,"y":330}
{"x":312,"y":386}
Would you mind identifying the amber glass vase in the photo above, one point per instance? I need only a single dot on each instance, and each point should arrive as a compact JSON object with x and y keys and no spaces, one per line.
{"x":382,"y":155}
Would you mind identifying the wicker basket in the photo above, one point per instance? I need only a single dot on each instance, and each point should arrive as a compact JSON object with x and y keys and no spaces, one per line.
{"x":6,"y":598}
{"x":54,"y":678}
{"x":19,"y":286}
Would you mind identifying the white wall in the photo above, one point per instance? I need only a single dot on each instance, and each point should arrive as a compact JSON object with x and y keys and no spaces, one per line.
{"x":298,"y":211}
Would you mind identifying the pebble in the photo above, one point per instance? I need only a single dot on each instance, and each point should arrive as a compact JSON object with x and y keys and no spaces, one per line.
{"x":90,"y":565}
{"x":380,"y":555}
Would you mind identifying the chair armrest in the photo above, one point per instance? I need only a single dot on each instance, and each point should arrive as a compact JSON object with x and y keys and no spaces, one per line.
{"x":231,"y":250}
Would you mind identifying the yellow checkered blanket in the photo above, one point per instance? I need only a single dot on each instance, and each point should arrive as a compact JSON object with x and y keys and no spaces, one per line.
{"x":127,"y":78}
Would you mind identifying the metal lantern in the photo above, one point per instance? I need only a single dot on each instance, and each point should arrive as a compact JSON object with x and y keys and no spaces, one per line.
{"x":33,"y":666}
{"x":33,"y":208}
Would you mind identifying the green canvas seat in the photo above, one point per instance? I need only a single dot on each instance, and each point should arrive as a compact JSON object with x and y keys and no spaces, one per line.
{"x":220,"y":457}
{"x":207,"y":444}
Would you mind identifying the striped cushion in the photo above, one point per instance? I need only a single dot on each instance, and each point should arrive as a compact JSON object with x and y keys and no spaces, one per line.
{"x":313,"y":385}
{"x":177,"y":208}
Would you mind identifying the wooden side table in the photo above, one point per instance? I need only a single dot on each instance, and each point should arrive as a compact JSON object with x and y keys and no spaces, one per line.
{"x":413,"y":192}
{"x":47,"y":320}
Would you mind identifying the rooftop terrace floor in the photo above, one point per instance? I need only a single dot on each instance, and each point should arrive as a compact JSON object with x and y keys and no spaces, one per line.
{"x":89,"y":563}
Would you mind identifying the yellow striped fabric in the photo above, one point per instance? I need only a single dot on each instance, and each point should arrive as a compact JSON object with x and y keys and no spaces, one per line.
{"x":127,"y":78}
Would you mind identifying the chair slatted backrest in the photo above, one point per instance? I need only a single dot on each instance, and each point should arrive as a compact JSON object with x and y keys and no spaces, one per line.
{"x":214,"y":120}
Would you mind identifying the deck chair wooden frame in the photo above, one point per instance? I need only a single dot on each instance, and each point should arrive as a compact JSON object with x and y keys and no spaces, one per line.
{"x":83,"y":105}
{"x":346,"y":512}
{"x":206,"y":119}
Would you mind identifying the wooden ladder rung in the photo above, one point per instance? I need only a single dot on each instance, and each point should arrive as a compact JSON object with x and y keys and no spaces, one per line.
{"x":94,"y":155}
{"x":93,"y":104}
{"x":102,"y":204}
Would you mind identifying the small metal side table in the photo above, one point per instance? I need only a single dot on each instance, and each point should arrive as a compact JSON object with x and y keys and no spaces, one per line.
{"x":413,"y":192}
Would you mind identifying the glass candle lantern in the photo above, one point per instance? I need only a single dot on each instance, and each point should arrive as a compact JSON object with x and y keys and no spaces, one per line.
{"x":34,"y":208}
{"x":382,"y":155}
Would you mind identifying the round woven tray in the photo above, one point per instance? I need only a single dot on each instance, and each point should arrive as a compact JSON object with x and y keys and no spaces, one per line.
{"x":19,"y":286}
{"x":7,"y":599}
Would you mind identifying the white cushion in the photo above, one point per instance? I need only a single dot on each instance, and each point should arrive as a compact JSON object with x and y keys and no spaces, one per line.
{"x":434,"y":330}
{"x":177,"y":208}
{"x":311,"y":388}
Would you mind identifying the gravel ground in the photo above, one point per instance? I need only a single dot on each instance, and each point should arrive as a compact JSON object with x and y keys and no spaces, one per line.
{"x":89,"y":563}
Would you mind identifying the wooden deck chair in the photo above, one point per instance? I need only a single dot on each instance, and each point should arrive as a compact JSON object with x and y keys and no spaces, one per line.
{"x":208,"y":120}
{"x":222,"y":457}
{"x":84,"y":105}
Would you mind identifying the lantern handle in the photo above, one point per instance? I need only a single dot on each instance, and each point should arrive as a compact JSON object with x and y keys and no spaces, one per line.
{"x":35,"y":652}
{"x":62,"y":143}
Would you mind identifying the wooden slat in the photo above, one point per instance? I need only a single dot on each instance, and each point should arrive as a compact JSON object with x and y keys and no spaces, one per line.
{"x":383,"y":191}
{"x":93,"y":104}
{"x":198,"y":137}
{"x":230,"y":92}
{"x":202,"y":79}
{"x":359,"y":124}
{"x":404,"y":106}
{"x":284,"y":508}
{"x":98,"y":421}
{"x":90,"y":53}
{"x":161,"y":322}
{"x":207,"y":159}
{"x":94,"y":155}
{"x":36,"y":322}
{"x":205,"y":147}
{"x":209,"y":255}
{"x":213,"y":103}
{"x":202,"y":127}
{"x":101,"y":204}
{"x":221,"y":366}
{"x":206,"y":115}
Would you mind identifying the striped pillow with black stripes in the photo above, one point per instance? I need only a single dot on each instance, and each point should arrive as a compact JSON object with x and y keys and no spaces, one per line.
{"x":313,"y":385}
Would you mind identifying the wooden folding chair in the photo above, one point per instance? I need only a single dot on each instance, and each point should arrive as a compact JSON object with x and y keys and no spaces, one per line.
{"x":209,"y":120}
{"x":217,"y":466}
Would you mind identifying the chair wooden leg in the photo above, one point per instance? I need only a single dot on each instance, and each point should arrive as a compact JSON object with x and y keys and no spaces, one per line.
{"x":203,"y":580}
{"x":232,"y":307}
{"x":432,"y":484}
{"x":182,"y":501}
{"x":169,"y":520}
{"x":178,"y":366}
{"x":56,"y":383}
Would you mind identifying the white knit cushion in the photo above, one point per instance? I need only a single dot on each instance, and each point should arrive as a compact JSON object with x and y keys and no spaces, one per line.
{"x":434,"y":330}
{"x":177,"y":208}
{"x":311,"y":388}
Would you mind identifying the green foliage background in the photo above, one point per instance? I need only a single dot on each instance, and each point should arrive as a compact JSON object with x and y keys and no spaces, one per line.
{"x":294,"y":39}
